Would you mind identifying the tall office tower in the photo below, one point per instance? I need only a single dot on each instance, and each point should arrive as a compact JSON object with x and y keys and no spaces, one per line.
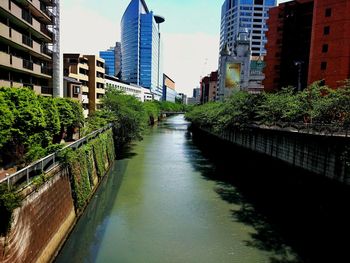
{"x":112,"y":58}
{"x":118,"y":59}
{"x":109,"y":57}
{"x":237,"y":15}
{"x":140,"y":46}
{"x":29,"y":45}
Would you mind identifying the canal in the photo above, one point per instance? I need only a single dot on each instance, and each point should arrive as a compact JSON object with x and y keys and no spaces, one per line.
{"x":167,"y":201}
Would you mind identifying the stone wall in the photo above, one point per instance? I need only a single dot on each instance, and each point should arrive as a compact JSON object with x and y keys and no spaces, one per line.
{"x":320,"y":154}
{"x":49,"y":210}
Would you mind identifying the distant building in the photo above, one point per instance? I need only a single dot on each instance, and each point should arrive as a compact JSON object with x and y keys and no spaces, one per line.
{"x":208,"y":88}
{"x":109,"y":57}
{"x":196,"y":93}
{"x":169,"y":93}
{"x":29,"y":41}
{"x":238,"y":15}
{"x":127,"y":88}
{"x":308,"y":41}
{"x":112,"y":58}
{"x":192,"y":101}
{"x":118,"y":59}
{"x":181,"y":97}
{"x":140,"y":47}
{"x":89,"y":71}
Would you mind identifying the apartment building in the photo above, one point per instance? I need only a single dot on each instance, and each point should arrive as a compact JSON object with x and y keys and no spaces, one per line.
{"x":29,"y":38}
{"x":309,"y":40}
{"x":89,"y":71}
{"x":127,"y":88}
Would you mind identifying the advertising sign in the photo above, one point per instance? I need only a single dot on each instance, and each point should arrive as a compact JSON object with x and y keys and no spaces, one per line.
{"x":233,"y":75}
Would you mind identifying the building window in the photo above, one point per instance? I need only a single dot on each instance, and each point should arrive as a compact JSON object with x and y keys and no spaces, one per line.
{"x":326,"y":30}
{"x":323,"y":65}
{"x":325,"y":48}
{"x":328,"y":12}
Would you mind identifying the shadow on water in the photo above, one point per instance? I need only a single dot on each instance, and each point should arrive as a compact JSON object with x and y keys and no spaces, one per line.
{"x":297,"y":216}
{"x":92,"y":225}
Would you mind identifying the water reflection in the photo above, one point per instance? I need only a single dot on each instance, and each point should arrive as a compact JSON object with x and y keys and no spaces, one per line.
{"x":174,"y":198}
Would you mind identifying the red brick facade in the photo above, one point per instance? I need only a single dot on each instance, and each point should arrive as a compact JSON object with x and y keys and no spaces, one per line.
{"x":320,"y":38}
{"x":330,"y":51}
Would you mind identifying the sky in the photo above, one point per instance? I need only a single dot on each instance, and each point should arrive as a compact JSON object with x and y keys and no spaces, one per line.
{"x":190,"y":34}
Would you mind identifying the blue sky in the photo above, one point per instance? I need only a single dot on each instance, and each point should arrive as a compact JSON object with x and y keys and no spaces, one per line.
{"x":190,"y":33}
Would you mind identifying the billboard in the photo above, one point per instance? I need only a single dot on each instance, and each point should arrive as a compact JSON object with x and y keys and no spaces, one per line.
{"x":233,"y":75}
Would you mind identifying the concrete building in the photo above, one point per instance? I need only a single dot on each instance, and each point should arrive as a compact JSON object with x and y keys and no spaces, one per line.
{"x":237,"y":15}
{"x":89,"y":70}
{"x":141,"y":47}
{"x":234,"y":68}
{"x":72,"y":88}
{"x":169,"y":92}
{"x":127,"y":88}
{"x":309,"y":40}
{"x":29,"y":45}
{"x":208,"y":88}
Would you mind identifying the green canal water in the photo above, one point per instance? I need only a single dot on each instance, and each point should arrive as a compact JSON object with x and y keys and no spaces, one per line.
{"x":157,"y":206}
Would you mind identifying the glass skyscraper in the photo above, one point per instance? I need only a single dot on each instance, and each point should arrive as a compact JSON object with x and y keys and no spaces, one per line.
{"x":237,"y":15}
{"x":140,"y":47}
{"x":109,"y":57}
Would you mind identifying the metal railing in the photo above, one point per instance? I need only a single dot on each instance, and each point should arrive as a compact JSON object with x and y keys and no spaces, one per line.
{"x":46,"y":164}
{"x":309,"y":128}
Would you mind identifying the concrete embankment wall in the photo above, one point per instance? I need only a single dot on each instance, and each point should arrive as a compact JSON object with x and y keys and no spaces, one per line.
{"x":50,"y":206}
{"x":324,"y":155}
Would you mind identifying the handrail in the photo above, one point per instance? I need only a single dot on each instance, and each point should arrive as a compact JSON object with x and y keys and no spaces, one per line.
{"x":47,"y":163}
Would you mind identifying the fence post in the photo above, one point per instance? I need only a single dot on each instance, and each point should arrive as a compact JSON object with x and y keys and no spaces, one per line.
{"x":42,"y":166}
{"x":8,"y":182}
{"x":27,"y":176}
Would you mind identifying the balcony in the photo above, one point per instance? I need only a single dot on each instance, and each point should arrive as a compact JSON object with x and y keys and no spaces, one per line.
{"x":25,"y":18}
{"x":23,"y":40}
{"x":46,"y":91}
{"x":85,"y":89}
{"x":19,"y":64}
{"x":28,"y":64}
{"x":100,"y":80}
{"x":46,"y":70}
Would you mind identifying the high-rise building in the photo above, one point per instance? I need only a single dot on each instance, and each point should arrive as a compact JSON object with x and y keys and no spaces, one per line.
{"x":330,"y":42}
{"x":237,"y":15}
{"x":112,"y":58}
{"x":109,"y":57}
{"x":308,"y":41}
{"x":140,"y":47}
{"x":288,"y":47}
{"x":118,"y":59}
{"x":29,"y":45}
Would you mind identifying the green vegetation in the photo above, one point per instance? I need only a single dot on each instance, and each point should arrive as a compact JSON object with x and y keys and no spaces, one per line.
{"x":85,"y":163}
{"x":316,"y":105}
{"x":31,"y":126}
{"x":129,"y":116}
{"x":9,"y":200}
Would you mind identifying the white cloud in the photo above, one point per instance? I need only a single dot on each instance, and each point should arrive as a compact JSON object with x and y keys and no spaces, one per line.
{"x":85,"y":31}
{"x":187,"y":57}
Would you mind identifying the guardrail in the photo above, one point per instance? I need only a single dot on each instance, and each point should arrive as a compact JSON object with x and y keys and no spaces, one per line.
{"x":308,"y":128}
{"x":46,"y":164}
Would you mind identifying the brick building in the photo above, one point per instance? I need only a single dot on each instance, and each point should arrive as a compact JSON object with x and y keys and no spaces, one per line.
{"x":308,"y":40}
{"x":208,"y":88}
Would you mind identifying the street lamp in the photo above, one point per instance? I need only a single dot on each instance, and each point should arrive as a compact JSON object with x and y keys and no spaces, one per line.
{"x":299,"y":64}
